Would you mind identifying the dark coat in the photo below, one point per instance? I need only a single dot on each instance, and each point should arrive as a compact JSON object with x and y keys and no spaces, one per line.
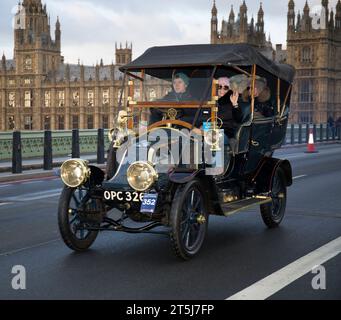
{"x":265,"y":108}
{"x":232,"y":117}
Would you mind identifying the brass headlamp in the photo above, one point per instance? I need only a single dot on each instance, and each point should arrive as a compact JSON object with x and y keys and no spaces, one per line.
{"x":75,"y":172}
{"x":141,"y":175}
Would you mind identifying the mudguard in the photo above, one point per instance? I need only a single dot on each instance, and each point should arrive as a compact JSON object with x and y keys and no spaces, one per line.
{"x":96,"y":176}
{"x":182,"y":176}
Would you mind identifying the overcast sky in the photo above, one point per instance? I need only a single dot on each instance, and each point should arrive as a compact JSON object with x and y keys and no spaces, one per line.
{"x":90,"y":28}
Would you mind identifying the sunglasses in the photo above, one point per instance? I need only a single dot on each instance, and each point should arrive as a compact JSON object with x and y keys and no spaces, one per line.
{"x":226,"y":88}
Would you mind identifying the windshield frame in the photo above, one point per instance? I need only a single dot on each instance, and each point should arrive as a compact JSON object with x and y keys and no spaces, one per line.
{"x":133,"y":105}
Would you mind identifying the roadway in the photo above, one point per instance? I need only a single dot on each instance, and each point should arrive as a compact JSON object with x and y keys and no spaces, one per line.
{"x":239,"y":251}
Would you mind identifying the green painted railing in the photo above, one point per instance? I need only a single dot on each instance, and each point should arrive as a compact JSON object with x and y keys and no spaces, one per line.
{"x":33,"y":143}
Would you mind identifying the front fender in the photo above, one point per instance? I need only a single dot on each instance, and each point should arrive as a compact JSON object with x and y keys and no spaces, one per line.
{"x":96,"y":176}
{"x":183,"y":176}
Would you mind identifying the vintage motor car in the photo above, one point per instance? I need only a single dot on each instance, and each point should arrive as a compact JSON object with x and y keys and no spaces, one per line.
{"x":171,"y":164}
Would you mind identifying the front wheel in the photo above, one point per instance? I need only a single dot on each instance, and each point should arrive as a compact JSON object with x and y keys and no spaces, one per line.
{"x":189,"y":220}
{"x":72,"y":229}
{"x":273,"y":212}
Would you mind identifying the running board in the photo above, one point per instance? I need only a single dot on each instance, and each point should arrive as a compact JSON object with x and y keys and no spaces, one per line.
{"x":237,"y":206}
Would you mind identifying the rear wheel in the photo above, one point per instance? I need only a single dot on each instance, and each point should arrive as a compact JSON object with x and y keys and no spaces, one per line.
{"x":72,"y":228}
{"x":189,"y":220}
{"x":273,"y":212}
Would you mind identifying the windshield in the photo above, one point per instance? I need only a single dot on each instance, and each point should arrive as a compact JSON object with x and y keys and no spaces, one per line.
{"x":173,"y":85}
{"x":191,"y":96}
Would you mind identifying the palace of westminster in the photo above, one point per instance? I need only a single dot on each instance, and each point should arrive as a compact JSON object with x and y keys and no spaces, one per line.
{"x":38,"y":90}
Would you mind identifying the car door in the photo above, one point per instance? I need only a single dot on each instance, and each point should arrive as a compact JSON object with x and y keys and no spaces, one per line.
{"x":260,"y":138}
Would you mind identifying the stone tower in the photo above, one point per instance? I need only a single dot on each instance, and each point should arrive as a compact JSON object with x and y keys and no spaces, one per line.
{"x":240,"y":30}
{"x":34,"y":50}
{"x":124,"y":55}
{"x":314,"y":49}
{"x":214,"y":23}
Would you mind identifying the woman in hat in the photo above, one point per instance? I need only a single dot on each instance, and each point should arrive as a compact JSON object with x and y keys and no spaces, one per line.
{"x":262,"y":94}
{"x":229,"y":110}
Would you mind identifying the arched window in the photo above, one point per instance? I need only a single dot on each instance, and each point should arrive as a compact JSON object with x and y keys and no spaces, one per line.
{"x":305,"y":91}
{"x":306,"y":54}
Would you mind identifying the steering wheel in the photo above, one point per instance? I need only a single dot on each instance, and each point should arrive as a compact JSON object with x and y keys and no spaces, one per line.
{"x":164,"y":113}
{"x":163,"y":123}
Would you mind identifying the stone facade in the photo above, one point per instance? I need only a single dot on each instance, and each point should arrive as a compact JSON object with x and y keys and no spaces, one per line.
{"x":38,"y":90}
{"x":314,"y":48}
{"x":239,"y":30}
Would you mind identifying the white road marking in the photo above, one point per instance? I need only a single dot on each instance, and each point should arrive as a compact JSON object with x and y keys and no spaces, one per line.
{"x":299,"y":177}
{"x":4,"y":203}
{"x":35,"y":196}
{"x":268,"y":286}
{"x":4,"y":186}
{"x":27,"y":248}
{"x":32,"y":182}
{"x":293,"y":156}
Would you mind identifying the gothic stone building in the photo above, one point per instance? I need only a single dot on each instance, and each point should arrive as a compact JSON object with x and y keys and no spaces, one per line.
{"x":39,"y":91}
{"x":241,"y":31}
{"x":314,"y":48}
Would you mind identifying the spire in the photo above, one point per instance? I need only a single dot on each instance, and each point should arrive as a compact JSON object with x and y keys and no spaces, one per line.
{"x":306,"y":24}
{"x":260,"y":20}
{"x":338,"y":15}
{"x":214,"y":24}
{"x":261,"y":11}
{"x":261,"y":14}
{"x":331,"y":21}
{"x":243,"y":9}
{"x":243,"y":15}
{"x":3,"y":62}
{"x":325,"y":4}
{"x":306,"y":9}
{"x":291,"y":16}
{"x":338,"y":6}
{"x":232,"y":16}
{"x":67,"y":72}
{"x":58,"y":32}
{"x":58,"y":24}
{"x":291,"y":5}
{"x":214,"y":10}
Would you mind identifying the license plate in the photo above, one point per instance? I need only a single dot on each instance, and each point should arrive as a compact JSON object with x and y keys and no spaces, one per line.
{"x":148,"y":204}
{"x":123,"y":196}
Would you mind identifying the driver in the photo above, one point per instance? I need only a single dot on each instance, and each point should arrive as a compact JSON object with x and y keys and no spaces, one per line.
{"x":180,"y":94}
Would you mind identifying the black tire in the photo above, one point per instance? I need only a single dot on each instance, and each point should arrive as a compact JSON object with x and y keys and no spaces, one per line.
{"x":69,"y":200}
{"x":187,"y":234}
{"x":273,"y":212}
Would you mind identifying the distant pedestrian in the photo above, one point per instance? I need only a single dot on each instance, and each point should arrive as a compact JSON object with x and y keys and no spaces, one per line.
{"x":331,"y":125}
{"x":338,"y":126}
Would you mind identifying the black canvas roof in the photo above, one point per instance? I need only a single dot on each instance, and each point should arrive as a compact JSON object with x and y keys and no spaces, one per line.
{"x":209,"y":55}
